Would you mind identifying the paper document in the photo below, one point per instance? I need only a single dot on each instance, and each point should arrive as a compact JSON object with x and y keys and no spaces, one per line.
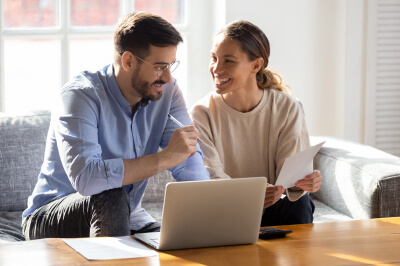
{"x":109,"y":248}
{"x":297,"y":166}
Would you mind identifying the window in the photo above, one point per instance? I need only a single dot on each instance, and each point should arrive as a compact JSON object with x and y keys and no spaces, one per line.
{"x":44,"y":43}
{"x":382,"y":119}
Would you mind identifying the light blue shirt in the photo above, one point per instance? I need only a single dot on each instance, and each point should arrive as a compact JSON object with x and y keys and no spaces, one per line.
{"x":93,"y":129}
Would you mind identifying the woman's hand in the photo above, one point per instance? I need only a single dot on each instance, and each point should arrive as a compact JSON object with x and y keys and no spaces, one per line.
{"x":310,"y":183}
{"x":272,"y":194}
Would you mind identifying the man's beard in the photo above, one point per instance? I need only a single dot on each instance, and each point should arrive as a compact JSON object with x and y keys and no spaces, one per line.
{"x":143,"y":87}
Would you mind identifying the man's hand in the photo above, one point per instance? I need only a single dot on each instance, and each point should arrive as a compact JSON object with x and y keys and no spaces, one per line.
{"x":310,"y":183}
{"x":182,"y":144}
{"x":272,"y":194}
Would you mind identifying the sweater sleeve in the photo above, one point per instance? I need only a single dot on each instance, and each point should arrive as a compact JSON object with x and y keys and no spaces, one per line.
{"x":212,"y":160}
{"x":293,"y":138}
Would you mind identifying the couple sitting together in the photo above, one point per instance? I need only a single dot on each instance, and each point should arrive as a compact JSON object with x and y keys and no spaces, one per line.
{"x":107,"y":127}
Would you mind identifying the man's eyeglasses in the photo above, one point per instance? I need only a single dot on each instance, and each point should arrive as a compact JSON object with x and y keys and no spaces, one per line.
{"x":160,"y":68}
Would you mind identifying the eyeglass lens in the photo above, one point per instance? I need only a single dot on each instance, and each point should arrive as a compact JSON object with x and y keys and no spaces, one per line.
{"x":171,"y":67}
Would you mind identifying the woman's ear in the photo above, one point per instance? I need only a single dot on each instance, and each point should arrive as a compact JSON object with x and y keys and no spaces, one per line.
{"x":258,"y":63}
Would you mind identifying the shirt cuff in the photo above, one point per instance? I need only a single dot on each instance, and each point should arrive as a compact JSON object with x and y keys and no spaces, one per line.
{"x":115,"y":172}
{"x":192,"y":169}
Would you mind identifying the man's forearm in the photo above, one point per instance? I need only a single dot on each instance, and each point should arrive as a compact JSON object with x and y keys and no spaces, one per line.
{"x":181,"y":146}
{"x":136,"y":170}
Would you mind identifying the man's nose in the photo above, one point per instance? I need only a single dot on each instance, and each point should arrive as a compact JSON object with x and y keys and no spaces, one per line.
{"x":166,"y":76}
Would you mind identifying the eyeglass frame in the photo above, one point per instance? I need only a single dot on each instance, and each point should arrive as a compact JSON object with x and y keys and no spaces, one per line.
{"x":159,"y":69}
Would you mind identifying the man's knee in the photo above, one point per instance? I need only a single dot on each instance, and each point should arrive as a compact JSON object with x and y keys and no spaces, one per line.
{"x":114,"y":200}
{"x":111,"y":213}
{"x":115,"y":194}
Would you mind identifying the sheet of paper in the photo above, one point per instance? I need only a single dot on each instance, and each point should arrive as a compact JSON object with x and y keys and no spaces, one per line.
{"x":297,"y":166}
{"x":109,"y":248}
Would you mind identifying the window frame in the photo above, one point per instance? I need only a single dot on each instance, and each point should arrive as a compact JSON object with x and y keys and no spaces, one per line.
{"x":64,"y":32}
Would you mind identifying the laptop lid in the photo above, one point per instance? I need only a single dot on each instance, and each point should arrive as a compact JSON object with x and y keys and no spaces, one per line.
{"x":211,"y":213}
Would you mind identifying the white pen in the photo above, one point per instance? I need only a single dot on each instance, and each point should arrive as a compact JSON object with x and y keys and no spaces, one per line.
{"x":179,"y":123}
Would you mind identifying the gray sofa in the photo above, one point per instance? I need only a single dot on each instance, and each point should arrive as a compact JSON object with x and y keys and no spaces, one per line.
{"x":359,"y":182}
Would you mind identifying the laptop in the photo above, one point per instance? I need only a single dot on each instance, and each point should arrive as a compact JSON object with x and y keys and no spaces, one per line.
{"x":209,"y":213}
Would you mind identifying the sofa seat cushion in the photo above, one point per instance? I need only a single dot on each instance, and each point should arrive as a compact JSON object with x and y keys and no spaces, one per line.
{"x":324,"y":213}
{"x":10,"y":227}
{"x":154,"y":209}
{"x":156,"y":187}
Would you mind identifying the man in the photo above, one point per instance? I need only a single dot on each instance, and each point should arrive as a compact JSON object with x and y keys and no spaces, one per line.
{"x":104,"y":136}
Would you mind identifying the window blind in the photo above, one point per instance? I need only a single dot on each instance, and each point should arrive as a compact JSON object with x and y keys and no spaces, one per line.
{"x":387,"y":93}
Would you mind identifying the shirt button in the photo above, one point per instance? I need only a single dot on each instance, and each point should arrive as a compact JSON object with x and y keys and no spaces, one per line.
{"x":138,"y":148}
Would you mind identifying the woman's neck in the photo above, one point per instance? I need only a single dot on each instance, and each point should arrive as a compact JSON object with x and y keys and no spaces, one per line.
{"x":244,"y":100}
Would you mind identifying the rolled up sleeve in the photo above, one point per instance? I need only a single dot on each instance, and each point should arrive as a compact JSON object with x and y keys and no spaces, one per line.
{"x":76,"y":132}
{"x":192,"y":169}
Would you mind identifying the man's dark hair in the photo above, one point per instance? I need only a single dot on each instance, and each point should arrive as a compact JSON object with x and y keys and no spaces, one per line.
{"x":138,"y":30}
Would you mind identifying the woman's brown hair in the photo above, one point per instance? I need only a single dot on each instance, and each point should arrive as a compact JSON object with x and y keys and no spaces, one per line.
{"x":255,"y":44}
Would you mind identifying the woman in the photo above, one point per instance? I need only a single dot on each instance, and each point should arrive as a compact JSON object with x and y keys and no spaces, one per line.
{"x":251,"y":124}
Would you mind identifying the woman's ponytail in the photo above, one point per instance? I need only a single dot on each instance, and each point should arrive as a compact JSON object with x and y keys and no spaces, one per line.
{"x":267,"y":79}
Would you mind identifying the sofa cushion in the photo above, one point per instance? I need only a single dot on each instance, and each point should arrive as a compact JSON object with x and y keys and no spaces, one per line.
{"x":156,"y":187}
{"x":324,"y":213}
{"x":22,"y":144}
{"x":358,"y":180}
{"x":10,"y":227}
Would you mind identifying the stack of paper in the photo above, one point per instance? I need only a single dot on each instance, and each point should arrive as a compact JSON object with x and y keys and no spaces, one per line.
{"x":109,"y":248}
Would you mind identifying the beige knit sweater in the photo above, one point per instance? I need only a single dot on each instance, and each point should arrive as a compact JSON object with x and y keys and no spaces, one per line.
{"x":251,"y":144}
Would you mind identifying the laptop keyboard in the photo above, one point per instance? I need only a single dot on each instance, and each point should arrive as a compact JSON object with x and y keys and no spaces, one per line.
{"x":155,"y":240}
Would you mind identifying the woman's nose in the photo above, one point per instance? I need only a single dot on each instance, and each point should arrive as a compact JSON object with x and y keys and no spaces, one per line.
{"x":216,"y":67}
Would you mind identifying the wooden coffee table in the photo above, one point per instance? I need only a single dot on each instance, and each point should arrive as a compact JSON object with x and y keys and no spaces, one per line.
{"x":358,"y":242}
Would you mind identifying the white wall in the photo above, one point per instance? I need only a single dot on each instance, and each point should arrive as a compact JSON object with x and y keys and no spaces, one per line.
{"x":308,"y":47}
{"x":200,"y":35}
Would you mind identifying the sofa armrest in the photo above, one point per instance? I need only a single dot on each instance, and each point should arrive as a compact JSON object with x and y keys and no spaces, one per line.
{"x":358,"y":180}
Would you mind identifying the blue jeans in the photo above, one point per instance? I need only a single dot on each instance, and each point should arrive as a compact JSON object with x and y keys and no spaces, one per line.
{"x":286,"y":212}
{"x":73,"y":216}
